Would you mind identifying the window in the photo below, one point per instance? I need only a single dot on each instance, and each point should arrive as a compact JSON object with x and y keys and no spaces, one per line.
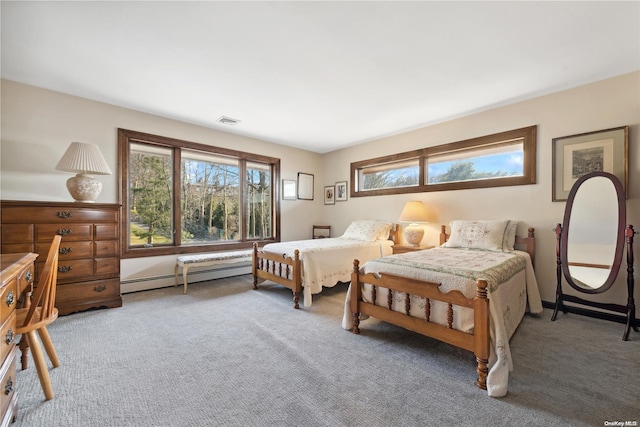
{"x":181,"y":197}
{"x":503,"y":159}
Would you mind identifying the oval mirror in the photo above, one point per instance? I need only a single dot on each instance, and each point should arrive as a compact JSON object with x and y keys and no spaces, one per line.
{"x":592,"y":242}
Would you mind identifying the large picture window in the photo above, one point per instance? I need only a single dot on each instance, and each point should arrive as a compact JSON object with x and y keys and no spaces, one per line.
{"x":181,"y":197}
{"x":502,"y":159}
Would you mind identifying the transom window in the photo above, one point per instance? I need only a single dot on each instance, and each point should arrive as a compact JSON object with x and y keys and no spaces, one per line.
{"x":503,"y":159}
{"x":180,"y":196}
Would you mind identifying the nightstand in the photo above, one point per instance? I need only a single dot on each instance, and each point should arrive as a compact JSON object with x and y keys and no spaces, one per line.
{"x":400,"y":249}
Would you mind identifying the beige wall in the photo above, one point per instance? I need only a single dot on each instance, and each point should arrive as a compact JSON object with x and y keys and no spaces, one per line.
{"x":38,"y":125}
{"x":606,"y":104}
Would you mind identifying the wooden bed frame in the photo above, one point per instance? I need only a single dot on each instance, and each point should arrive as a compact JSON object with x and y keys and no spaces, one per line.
{"x":476,"y":342}
{"x":287,"y":271}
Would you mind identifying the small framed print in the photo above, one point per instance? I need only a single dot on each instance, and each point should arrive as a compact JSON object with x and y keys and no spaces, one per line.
{"x":341,"y":191}
{"x":329,"y":195}
{"x":305,"y":186}
{"x":577,"y":155}
{"x":288,"y":189}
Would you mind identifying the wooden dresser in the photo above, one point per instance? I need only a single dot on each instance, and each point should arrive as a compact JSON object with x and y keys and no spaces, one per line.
{"x":18,"y":273}
{"x":89,"y":263}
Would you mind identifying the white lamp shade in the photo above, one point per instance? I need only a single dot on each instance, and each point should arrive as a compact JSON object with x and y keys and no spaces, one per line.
{"x":84,"y":159}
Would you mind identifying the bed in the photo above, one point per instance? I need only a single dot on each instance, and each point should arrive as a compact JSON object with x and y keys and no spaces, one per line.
{"x":471,"y":292}
{"x":306,"y":266}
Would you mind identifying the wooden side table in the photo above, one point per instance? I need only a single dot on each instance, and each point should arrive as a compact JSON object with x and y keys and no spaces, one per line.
{"x":400,"y":249}
{"x":321,"y":231}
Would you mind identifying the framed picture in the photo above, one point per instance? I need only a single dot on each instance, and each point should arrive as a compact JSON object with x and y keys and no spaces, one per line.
{"x":288,"y":189}
{"x":329,"y":195}
{"x":341,"y":191}
{"x":577,"y":155}
{"x":305,"y":186}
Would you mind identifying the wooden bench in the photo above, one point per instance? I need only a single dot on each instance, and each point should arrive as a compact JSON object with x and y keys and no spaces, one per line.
{"x":210,"y":259}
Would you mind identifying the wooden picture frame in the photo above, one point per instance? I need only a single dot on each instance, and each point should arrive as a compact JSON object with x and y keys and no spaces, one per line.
{"x":305,"y":186}
{"x":329,"y":195}
{"x":342,"y":188}
{"x":576,"y":155}
{"x":289,"y":189}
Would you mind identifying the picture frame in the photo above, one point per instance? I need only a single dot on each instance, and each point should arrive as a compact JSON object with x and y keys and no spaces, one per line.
{"x":341,"y":191}
{"x":289,"y":189}
{"x":329,"y":195}
{"x":576,"y":155}
{"x":305,"y":186}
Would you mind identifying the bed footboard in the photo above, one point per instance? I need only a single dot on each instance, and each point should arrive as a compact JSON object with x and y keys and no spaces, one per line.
{"x":280,"y":269}
{"x":476,"y":342}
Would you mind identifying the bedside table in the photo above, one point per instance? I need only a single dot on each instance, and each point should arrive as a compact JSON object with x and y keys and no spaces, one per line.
{"x":400,"y":249}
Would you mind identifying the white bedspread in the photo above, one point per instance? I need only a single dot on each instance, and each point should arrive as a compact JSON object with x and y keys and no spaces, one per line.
{"x":512,"y":287}
{"x":325,"y":262}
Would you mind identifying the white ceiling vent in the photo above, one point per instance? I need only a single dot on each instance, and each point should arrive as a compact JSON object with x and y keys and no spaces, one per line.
{"x":228,"y":121}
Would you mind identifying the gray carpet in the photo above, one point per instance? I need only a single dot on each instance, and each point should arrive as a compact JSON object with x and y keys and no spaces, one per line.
{"x":227,"y":355}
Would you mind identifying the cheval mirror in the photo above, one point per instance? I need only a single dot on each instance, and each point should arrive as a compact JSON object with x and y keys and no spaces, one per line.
{"x":590,"y":245}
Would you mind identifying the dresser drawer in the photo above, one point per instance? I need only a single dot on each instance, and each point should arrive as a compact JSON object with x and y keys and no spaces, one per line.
{"x":87,"y":292}
{"x":105,"y":248}
{"x":69,"y":232}
{"x":106,"y":231}
{"x":110,"y":265}
{"x":71,"y":269}
{"x":57,"y":214}
{"x":17,"y":248}
{"x":17,"y":233}
{"x":7,"y":336}
{"x":8,"y":299}
{"x":68,"y":250}
{"x":8,"y":381}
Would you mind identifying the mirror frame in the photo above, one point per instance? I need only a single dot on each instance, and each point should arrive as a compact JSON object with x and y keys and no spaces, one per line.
{"x":620,"y":238}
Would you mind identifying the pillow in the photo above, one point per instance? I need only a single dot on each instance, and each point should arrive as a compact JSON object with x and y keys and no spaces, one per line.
{"x":367,"y":230}
{"x":482,"y":234}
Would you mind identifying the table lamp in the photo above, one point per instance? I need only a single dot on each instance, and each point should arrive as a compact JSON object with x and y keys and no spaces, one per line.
{"x":414,"y":212}
{"x":85,"y":160}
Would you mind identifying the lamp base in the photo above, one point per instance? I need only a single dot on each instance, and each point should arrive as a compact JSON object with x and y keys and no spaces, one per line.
{"x":84,"y":188}
{"x":413,"y":234}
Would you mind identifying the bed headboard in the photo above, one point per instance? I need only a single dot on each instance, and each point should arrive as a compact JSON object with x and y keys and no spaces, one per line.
{"x":527,"y":244}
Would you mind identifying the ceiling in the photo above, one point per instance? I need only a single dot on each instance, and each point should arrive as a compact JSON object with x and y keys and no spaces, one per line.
{"x":321,"y":75}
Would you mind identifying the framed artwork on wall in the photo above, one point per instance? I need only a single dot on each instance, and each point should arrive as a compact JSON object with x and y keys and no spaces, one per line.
{"x":289,"y":189}
{"x":329,"y":195}
{"x":305,"y":186}
{"x":341,"y":191}
{"x":577,"y":155}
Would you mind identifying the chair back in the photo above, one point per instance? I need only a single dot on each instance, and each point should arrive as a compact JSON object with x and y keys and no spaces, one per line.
{"x":44,"y":296}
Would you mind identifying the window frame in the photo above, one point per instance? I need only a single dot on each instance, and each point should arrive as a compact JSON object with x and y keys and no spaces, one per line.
{"x":527,"y":134}
{"x":125,"y":137}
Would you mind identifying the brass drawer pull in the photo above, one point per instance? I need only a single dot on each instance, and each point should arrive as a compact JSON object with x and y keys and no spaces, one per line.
{"x":99,"y":288}
{"x":64,"y":231}
{"x":64,"y":251}
{"x":64,"y":269}
{"x":11,"y":299}
{"x":8,"y":387}
{"x":64,"y":215}
{"x":8,"y":339}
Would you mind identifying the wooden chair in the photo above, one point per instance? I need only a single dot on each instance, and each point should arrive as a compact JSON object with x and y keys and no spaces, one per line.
{"x":40,"y":313}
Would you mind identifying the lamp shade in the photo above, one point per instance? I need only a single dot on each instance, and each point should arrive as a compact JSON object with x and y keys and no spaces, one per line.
{"x":414,"y":211}
{"x":85,"y":159}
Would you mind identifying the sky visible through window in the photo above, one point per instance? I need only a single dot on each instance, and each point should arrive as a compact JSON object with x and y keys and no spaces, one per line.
{"x":507,"y":164}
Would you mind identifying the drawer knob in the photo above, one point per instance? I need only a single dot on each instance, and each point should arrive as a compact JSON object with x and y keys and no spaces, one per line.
{"x":64,"y":269}
{"x":8,"y":339}
{"x":11,"y":299}
{"x":64,"y":231}
{"x":64,"y":215}
{"x":8,"y":387}
{"x":29,"y":276}
{"x":64,"y":251}
{"x":99,"y":288}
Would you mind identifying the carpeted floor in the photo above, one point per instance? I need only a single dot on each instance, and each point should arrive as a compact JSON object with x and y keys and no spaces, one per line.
{"x":227,"y":355}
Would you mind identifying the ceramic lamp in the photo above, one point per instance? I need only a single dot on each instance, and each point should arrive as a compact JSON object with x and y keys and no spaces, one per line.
{"x":86,"y":160}
{"x":414,"y":212}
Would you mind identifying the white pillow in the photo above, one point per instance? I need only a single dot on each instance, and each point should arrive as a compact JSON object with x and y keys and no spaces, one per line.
{"x":482,"y":234}
{"x":367,"y":230}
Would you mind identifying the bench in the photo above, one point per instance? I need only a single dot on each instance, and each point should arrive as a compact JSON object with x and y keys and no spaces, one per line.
{"x":210,"y":259}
